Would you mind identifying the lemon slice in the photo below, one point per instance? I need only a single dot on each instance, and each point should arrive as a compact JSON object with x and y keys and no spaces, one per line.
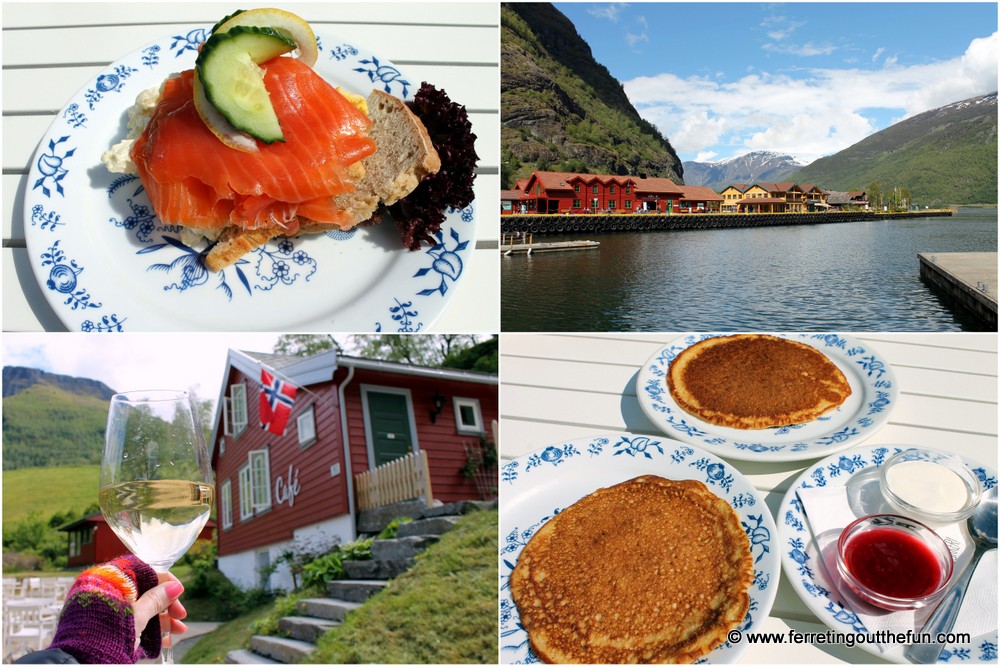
{"x":286,"y":23}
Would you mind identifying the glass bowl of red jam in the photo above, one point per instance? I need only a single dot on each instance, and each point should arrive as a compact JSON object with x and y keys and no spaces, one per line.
{"x":894,"y":562}
{"x":932,"y":486}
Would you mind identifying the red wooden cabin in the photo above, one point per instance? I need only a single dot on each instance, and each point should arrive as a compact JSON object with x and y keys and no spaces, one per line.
{"x":92,"y":541}
{"x":349,"y":416}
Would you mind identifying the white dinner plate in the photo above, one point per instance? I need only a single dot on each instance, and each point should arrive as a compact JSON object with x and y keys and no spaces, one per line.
{"x":873,"y":396}
{"x":808,"y":576}
{"x":105,"y":263}
{"x":537,"y":486}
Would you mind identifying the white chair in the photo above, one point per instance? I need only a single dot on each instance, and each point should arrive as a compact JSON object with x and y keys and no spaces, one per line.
{"x":26,"y":629}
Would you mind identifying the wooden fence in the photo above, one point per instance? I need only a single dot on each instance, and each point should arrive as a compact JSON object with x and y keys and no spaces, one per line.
{"x":406,"y":478}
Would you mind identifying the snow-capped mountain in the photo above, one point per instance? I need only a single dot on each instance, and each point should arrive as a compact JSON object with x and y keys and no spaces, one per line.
{"x":763,"y":166}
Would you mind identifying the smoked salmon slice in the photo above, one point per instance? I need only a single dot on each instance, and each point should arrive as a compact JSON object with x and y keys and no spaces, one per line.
{"x":195,"y":180}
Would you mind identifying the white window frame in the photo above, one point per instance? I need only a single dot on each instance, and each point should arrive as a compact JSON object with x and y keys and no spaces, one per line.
{"x":246,"y":493}
{"x":240,"y":413}
{"x":260,"y":479}
{"x":305,"y":426}
{"x":458,"y":403}
{"x":226,"y":504}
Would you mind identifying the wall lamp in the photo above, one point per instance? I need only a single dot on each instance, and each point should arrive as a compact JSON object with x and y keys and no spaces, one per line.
{"x":438,"y":401}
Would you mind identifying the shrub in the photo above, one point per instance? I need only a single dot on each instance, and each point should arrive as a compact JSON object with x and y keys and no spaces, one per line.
{"x":390,"y":531}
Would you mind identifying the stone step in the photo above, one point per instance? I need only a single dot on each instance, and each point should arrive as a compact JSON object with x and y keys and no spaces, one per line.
{"x":376,"y":569}
{"x":288,"y":651}
{"x":437,"y":525}
{"x":244,"y":657}
{"x":459,"y":507}
{"x":401,"y":548}
{"x":374,"y":520}
{"x":354,"y":590}
{"x":307,"y":628}
{"x":326,"y":608}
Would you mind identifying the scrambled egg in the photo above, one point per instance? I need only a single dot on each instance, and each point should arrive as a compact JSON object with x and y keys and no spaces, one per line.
{"x":117,"y":158}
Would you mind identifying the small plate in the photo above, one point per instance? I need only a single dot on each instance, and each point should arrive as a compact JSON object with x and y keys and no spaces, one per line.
{"x":105,"y":263}
{"x":807,"y":574}
{"x":537,"y":486}
{"x":873,"y":396}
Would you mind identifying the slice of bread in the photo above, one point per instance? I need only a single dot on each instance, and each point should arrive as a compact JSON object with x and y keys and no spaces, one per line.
{"x":403,"y":157}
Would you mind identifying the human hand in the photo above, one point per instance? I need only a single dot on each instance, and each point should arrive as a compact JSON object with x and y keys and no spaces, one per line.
{"x":161,"y":599}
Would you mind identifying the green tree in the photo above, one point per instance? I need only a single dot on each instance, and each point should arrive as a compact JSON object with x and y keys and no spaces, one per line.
{"x":423,"y":350}
{"x":483,"y":357}
{"x":305,"y":345}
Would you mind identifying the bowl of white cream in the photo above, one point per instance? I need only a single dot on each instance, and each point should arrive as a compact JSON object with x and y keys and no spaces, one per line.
{"x":931,"y":485}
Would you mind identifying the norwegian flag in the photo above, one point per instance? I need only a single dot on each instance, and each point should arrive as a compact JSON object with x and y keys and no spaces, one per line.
{"x":276,"y":399}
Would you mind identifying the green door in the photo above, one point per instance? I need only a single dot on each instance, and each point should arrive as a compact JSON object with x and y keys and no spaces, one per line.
{"x":389,"y":424}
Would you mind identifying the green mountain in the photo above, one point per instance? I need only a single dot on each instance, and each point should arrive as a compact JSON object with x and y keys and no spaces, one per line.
{"x":561,"y":110}
{"x":943,"y":156}
{"x":52,"y":420}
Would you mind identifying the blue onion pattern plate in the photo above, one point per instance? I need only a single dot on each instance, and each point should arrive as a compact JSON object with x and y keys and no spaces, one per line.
{"x":800,"y":560}
{"x":106,"y":263}
{"x":874,"y":393}
{"x":539,"y":485}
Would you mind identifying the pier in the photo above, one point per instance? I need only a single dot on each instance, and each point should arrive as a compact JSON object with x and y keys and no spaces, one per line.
{"x":596,"y":223}
{"x":528,"y":246}
{"x":967,"y":279}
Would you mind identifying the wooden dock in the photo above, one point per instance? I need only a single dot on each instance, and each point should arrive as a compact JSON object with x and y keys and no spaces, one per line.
{"x":969,"y":279}
{"x":556,"y":246}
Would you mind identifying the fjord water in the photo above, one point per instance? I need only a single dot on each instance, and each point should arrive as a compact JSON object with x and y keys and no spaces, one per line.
{"x":855,"y":276}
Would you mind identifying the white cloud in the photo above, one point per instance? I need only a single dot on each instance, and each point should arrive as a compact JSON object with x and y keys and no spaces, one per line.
{"x":633,"y":38}
{"x":705,"y":156}
{"x":135,"y":361}
{"x":813,"y":113}
{"x":609,"y":12}
{"x":805,"y":50}
{"x":878,"y":53}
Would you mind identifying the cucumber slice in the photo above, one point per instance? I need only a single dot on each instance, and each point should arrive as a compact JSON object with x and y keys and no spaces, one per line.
{"x":234,"y":84}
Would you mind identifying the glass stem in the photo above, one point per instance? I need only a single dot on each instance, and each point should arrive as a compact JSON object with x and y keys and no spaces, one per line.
{"x":166,"y":642}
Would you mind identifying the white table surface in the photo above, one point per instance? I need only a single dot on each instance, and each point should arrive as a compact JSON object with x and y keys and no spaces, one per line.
{"x":50,"y":50}
{"x":556,"y":388}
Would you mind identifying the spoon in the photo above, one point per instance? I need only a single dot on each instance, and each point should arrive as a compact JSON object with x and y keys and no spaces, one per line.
{"x":982,"y":527}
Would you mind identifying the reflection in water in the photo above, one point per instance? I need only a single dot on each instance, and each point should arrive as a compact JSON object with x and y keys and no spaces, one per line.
{"x":835,"y":277}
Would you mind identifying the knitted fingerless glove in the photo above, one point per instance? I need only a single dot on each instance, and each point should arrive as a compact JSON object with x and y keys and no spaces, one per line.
{"x":96,"y":624}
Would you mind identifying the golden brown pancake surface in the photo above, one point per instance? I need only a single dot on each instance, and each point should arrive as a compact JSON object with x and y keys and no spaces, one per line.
{"x":754,"y":381}
{"x":649,"y":570}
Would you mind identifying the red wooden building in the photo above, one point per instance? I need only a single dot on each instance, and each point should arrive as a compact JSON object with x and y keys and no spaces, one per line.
{"x":349,"y":416}
{"x":92,"y":541}
{"x":564,"y":192}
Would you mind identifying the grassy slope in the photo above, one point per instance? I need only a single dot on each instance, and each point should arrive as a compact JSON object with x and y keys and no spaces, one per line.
{"x":444,"y":610}
{"x":48,"y":490}
{"x":47,"y":426}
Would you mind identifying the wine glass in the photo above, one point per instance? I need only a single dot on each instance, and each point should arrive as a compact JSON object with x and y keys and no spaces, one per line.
{"x":156,"y":479}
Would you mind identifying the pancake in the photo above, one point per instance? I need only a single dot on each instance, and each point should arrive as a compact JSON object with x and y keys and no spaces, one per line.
{"x":755,"y":381}
{"x":649,"y":570}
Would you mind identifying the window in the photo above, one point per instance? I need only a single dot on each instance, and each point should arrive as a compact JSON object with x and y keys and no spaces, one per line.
{"x":538,"y":189}
{"x":611,"y":189}
{"x":628,"y":203}
{"x":246,"y":493}
{"x":611,"y":203}
{"x":235,"y":409}
{"x":226,"y":504}
{"x":305,"y":424}
{"x":576,"y":187}
{"x":260,"y":479}
{"x":595,"y":203}
{"x":222,"y":446}
{"x":595,"y":190}
{"x":576,"y":203}
{"x":628,"y":189}
{"x":468,"y":417}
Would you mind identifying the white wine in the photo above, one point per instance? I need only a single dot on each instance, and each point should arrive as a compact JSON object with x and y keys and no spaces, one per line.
{"x":158,"y":520}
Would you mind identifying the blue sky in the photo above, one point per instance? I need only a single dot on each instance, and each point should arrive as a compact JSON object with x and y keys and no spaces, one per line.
{"x":807,"y":79}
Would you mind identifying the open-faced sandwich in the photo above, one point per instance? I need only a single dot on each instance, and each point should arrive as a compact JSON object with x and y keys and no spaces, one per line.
{"x":253,"y":144}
